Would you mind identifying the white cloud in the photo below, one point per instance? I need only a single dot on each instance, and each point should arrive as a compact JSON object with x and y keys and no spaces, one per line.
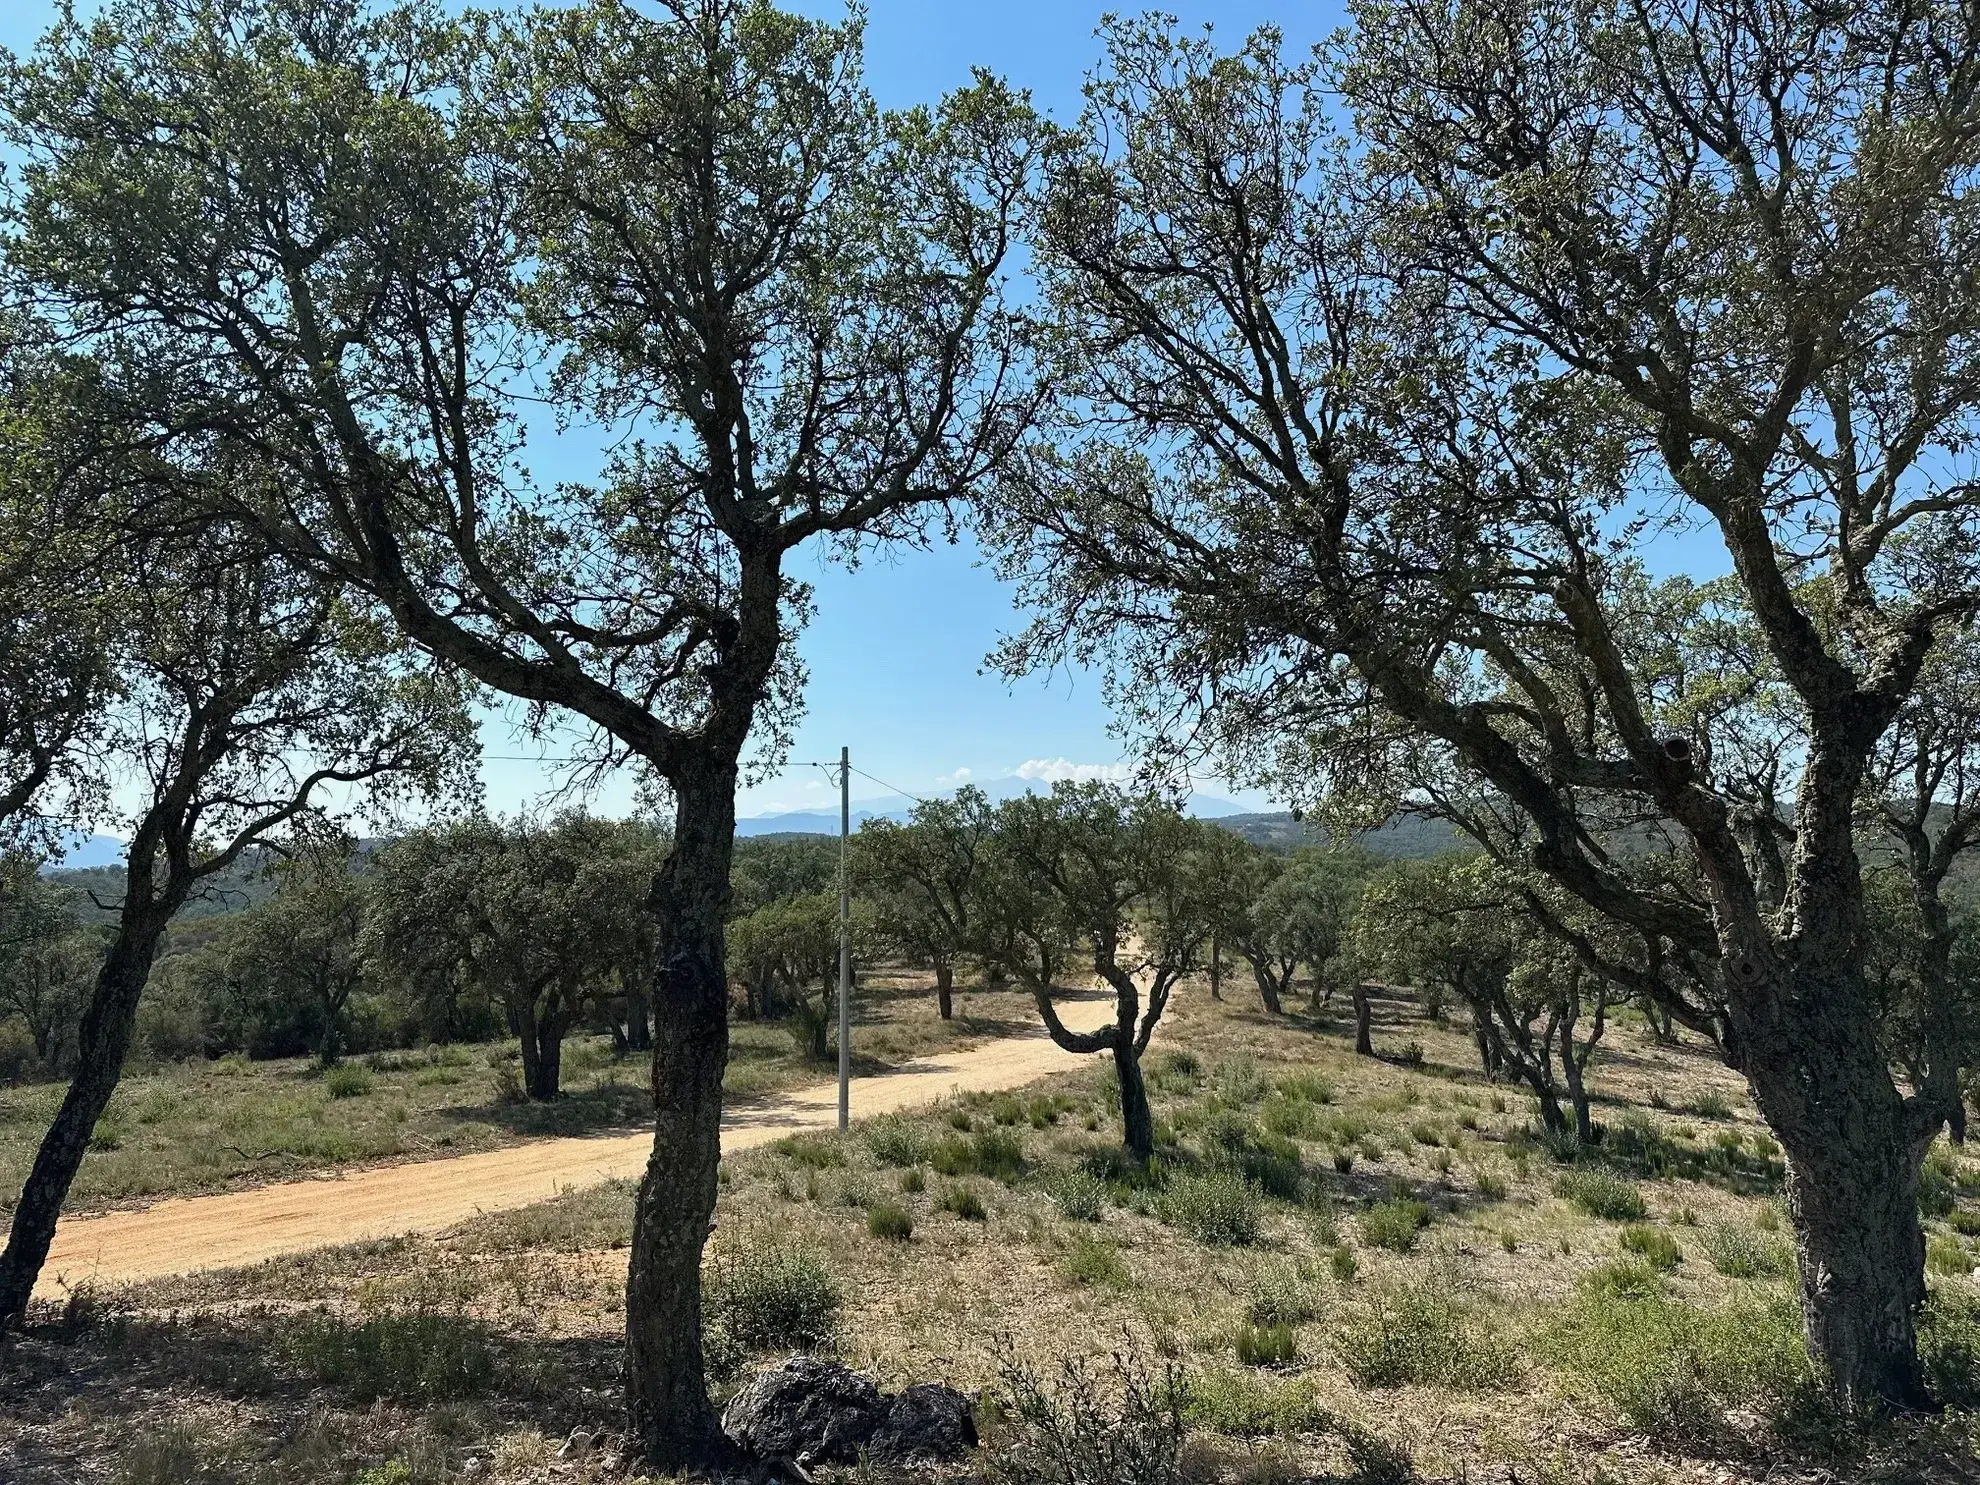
{"x":1051,"y":770}
{"x":952,"y":780}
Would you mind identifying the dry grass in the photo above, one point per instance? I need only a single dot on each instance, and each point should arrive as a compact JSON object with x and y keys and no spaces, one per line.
{"x":207,"y":1126}
{"x":1461,"y":1350}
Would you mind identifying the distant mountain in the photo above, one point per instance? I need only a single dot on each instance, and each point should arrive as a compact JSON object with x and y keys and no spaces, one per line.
{"x":898,"y":807}
{"x":87,"y":851}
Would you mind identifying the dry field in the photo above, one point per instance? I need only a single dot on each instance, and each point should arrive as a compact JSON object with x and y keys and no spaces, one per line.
{"x":1338,"y":1265}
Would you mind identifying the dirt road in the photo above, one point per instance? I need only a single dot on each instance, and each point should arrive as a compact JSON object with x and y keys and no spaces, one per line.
{"x":188,"y":1233}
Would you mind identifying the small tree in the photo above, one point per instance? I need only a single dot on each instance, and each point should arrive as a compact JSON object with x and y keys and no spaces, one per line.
{"x":920,"y":875}
{"x":1116,"y":881}
{"x":47,"y":960}
{"x":300,"y":950}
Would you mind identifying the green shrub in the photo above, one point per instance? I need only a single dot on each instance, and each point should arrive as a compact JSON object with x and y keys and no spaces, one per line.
{"x":347,"y":1080}
{"x":998,"y":1154}
{"x":890,"y":1222}
{"x":1671,"y":1370}
{"x":913,"y":1181}
{"x":1343,"y":1161}
{"x":1265,"y":1345}
{"x":1938,"y":1184}
{"x":414,"y":1355}
{"x":960,"y":1119}
{"x":1094,"y":1261}
{"x":1006,"y":1110}
{"x":1947,"y":1255}
{"x":1239,"y":1080}
{"x":1242,"y":1404}
{"x":964,"y":1203}
{"x":1949,"y":1346}
{"x":1344,"y":1264}
{"x":1394,"y":1224}
{"x":1967,"y":1224}
{"x":1080,"y":1196}
{"x":768,"y":1297}
{"x":1307,"y":1088}
{"x":810,"y":1151}
{"x":1629,"y":1278}
{"x":1653,"y":1245}
{"x":1710,"y":1105}
{"x":953,"y":1157}
{"x":897,"y":1140}
{"x":1741,"y":1253}
{"x":1491,"y":1185}
{"x":1422,"y":1333}
{"x":1212,"y":1206}
{"x":1282,"y":1294}
{"x":1601,"y":1193}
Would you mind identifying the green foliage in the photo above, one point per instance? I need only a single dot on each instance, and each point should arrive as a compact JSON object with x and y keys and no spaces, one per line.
{"x":810,"y":1151}
{"x":1394,"y":1224}
{"x":1282,"y":1294}
{"x":347,"y":1080}
{"x":1094,"y":1261}
{"x":1265,"y":1345}
{"x":1602,"y":1193}
{"x":1947,"y":1255}
{"x":417,"y":1355}
{"x":767,"y":1296}
{"x":1079,"y":1195}
{"x":896,"y":1139}
{"x":889,"y":1221}
{"x":1938,"y":1184}
{"x":1949,"y":1346}
{"x":963,"y":1202}
{"x":1422,"y":1333}
{"x":1215,"y":1206}
{"x":1242,"y":1404}
{"x":1653,"y":1245}
{"x":1741,"y":1253}
{"x":1670,"y":1369}
{"x":998,"y":1154}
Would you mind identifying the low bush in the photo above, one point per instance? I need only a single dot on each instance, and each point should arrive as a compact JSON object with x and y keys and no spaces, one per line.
{"x":1242,"y":1404}
{"x":998,"y":1154}
{"x":1079,"y":1195}
{"x":1095,"y":1262}
{"x":1283,"y":1294}
{"x":347,"y":1080}
{"x":1394,"y":1224}
{"x":1307,"y":1088}
{"x":1601,"y":1193}
{"x":1491,"y":1185}
{"x":769,"y":1297}
{"x":1710,"y":1106}
{"x":1265,"y":1345}
{"x":1949,"y":1346}
{"x":913,"y":1181}
{"x":1212,"y":1206}
{"x":1948,"y":1256}
{"x":964,"y":1203}
{"x":1741,"y":1253}
{"x":417,"y":1355}
{"x":897,"y":1140}
{"x":1423,"y":1333}
{"x":1672,"y":1370}
{"x":1079,"y":1425}
{"x":1938,"y":1184}
{"x":1653,"y":1245}
{"x":1627,"y":1278}
{"x":810,"y":1151}
{"x":889,"y":1222}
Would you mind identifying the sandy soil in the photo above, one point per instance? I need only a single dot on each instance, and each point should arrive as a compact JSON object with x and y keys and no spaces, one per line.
{"x":199,"y":1232}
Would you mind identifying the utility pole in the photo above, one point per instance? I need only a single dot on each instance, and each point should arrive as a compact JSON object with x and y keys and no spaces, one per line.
{"x":845,"y":940}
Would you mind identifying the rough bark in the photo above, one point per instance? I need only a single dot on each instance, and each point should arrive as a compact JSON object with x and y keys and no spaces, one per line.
{"x":1364,"y":1017}
{"x":639,"y":1025}
{"x":102,"y":1043}
{"x":945,"y":980}
{"x":1216,"y":968}
{"x":1137,"y":1121}
{"x":666,"y":1393}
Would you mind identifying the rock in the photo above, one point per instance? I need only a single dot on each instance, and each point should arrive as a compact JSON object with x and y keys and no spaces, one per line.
{"x":805,"y":1410}
{"x":926,"y":1422}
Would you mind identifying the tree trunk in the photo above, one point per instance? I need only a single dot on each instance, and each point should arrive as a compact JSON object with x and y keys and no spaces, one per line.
{"x":544,"y":1081}
{"x":1853,"y":1162}
{"x":102,"y":1043}
{"x":945,"y":979}
{"x":1137,"y":1120}
{"x":666,"y":1394}
{"x":639,"y":1026}
{"x":1216,"y":968}
{"x":1364,"y":1018}
{"x":1268,"y":989}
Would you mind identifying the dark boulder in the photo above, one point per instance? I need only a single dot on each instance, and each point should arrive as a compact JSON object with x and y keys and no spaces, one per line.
{"x":808,"y":1411}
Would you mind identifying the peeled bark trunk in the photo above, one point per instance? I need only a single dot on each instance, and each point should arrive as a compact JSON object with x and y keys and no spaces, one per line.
{"x":1216,"y":969}
{"x":1137,"y":1120}
{"x":102,"y":1043}
{"x":945,"y":979}
{"x":666,"y":1392}
{"x":1364,"y":1018}
{"x":1268,"y":989}
{"x":639,"y":1027}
